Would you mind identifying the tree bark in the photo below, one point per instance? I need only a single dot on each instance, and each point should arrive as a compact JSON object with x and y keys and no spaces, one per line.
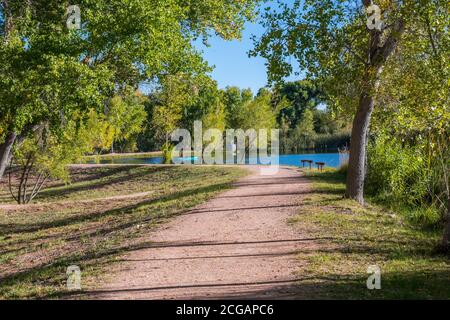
{"x":357,"y":161}
{"x":378,"y":53}
{"x":5,"y":152}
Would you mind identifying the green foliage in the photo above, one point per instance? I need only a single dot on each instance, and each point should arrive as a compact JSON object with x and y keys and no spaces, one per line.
{"x":401,"y":175}
{"x":182,"y":100}
{"x":257,"y":113}
{"x":97,"y":131}
{"x":206,"y":106}
{"x":167,"y":149}
{"x":178,"y":101}
{"x":52,"y":153}
{"x":235,"y":99}
{"x":398,"y":170}
{"x":295,"y":102}
{"x":427,"y":217}
{"x":329,"y":41}
{"x":127,"y":116}
{"x":45,"y":155}
{"x":294,"y":99}
{"x":49,"y":73}
{"x":303,"y":135}
{"x":332,"y":141}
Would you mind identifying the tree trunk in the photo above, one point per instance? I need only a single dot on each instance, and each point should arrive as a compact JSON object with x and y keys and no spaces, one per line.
{"x":378,"y":53}
{"x":357,"y":162}
{"x":5,"y":152}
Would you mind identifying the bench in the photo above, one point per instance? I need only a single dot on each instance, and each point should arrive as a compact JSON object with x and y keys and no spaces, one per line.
{"x":320,"y":165}
{"x":310,"y":162}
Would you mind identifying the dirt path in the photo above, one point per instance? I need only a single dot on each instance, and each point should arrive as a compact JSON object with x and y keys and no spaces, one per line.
{"x":238,"y":244}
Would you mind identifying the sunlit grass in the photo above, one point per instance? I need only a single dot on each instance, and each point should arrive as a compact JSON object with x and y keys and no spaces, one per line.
{"x":39,"y":242}
{"x":362,"y":236}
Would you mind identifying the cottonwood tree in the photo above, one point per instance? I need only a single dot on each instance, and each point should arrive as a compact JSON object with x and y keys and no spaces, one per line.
{"x":126,"y":116}
{"x":339,"y":45}
{"x":48,"y":72}
{"x":414,"y":100}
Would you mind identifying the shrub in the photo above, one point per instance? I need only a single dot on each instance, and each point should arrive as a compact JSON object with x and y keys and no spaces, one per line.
{"x":397,"y":170}
{"x":426,"y":217}
{"x":400,"y":175}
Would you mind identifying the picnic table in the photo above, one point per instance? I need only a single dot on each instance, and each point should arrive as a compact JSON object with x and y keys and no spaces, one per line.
{"x":320,"y":165}
{"x":310,"y":162}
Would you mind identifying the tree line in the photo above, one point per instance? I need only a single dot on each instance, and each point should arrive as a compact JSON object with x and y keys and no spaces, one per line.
{"x":296,"y":108}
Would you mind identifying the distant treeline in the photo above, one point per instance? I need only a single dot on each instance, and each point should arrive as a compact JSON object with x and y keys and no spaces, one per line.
{"x":298,"y":109}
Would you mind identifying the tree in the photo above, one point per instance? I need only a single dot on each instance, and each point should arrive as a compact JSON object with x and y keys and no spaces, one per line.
{"x":45,"y":155}
{"x":300,"y":95}
{"x":245,"y":111}
{"x":169,"y":102}
{"x":415,"y":105}
{"x":207,"y":105}
{"x":304,"y":131}
{"x":47,"y":72}
{"x":234,"y":99}
{"x":126,"y":116}
{"x":258,"y":113}
{"x":342,"y":49}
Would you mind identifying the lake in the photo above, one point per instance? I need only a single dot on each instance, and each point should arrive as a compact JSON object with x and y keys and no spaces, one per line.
{"x":330,"y":159}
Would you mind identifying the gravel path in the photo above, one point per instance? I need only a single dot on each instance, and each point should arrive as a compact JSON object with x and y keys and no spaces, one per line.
{"x":237,"y":245}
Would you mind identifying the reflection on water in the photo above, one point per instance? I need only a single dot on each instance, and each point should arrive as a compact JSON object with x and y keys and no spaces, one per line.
{"x":330,"y":159}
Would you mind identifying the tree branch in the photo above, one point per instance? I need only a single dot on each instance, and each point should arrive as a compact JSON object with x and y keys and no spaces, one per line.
{"x":9,"y":181}
{"x":380,"y":54}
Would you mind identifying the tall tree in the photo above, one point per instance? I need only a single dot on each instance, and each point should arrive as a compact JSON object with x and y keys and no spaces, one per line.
{"x":300,"y":95}
{"x":344,"y":45}
{"x":234,"y":99}
{"x":48,"y":71}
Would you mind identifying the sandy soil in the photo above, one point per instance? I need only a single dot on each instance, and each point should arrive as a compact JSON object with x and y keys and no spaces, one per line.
{"x":238,"y":245}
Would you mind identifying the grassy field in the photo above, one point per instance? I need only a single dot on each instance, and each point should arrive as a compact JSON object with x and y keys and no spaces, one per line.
{"x":114,"y":156}
{"x":358,"y":237}
{"x":103,"y":213}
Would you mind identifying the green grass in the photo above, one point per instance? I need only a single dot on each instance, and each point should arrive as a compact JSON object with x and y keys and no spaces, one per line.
{"x":355,"y":237}
{"x":39,"y":242}
{"x":113,"y":156}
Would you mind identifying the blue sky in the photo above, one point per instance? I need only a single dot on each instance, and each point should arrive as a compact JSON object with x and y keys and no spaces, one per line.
{"x":233,"y":67}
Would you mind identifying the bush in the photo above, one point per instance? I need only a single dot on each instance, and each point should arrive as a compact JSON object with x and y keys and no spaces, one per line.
{"x":397,"y":170}
{"x":426,"y":217}
{"x":167,"y":149}
{"x":401,"y":175}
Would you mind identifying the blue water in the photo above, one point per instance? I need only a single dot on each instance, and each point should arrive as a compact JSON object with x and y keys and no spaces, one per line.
{"x":330,"y":159}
